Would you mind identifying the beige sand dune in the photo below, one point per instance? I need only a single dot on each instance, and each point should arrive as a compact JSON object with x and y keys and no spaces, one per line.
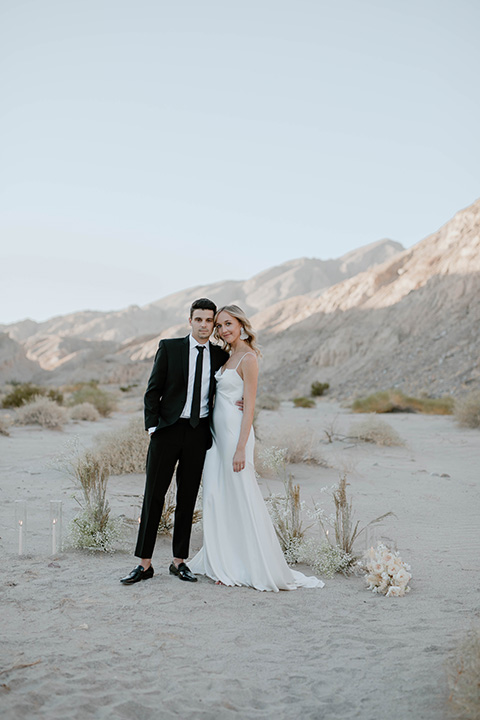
{"x":77,"y":644}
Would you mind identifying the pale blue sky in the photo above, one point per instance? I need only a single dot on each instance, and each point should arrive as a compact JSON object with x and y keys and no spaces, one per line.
{"x":150,"y":146}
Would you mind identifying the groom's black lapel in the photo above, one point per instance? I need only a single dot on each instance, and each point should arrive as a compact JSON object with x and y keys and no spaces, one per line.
{"x":185,"y":356}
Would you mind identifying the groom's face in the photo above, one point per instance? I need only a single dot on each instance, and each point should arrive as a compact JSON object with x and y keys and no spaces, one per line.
{"x":201,"y":323}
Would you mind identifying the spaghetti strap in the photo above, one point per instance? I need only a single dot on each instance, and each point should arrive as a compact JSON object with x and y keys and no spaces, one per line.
{"x":247,"y":353}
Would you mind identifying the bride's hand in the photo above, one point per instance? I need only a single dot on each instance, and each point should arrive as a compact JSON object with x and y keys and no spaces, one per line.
{"x":239,"y":460}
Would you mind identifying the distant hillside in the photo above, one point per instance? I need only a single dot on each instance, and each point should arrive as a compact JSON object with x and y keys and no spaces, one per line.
{"x":90,"y":344}
{"x":378,"y":317}
{"x":412,"y":322}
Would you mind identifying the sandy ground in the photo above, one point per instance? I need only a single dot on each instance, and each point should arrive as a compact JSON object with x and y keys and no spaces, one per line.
{"x":77,"y":644}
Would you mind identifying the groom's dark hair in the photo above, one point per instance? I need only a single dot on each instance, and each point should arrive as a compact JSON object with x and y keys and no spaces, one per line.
{"x":203,"y":304}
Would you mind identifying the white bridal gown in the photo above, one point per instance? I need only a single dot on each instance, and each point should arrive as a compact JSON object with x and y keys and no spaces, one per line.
{"x":240,"y":546}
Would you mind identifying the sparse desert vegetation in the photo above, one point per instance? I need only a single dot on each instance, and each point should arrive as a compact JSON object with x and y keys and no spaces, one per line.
{"x":345,"y":529}
{"x":93,"y":528}
{"x":90,"y":392}
{"x":299,"y":447}
{"x":303,"y":402}
{"x":85,"y":411}
{"x":42,"y":411}
{"x":125,"y":450}
{"x":318,"y":389}
{"x":23,"y":393}
{"x":467,"y":410}
{"x":267,"y":401}
{"x":389,"y":401}
{"x":285,"y":509}
{"x":4,"y":425}
{"x":376,"y":431}
{"x":463,"y":677}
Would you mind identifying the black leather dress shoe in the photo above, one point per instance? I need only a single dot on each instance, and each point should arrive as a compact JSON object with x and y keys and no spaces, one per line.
{"x":183,"y":572}
{"x":137,"y":574}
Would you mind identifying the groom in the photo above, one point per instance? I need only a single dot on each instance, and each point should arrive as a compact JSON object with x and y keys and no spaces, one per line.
{"x":178,"y":405}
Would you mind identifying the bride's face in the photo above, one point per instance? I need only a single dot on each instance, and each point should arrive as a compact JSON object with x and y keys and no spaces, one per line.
{"x":228,"y":327}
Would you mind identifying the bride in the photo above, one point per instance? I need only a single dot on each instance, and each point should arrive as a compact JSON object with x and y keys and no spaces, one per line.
{"x":240,"y":546}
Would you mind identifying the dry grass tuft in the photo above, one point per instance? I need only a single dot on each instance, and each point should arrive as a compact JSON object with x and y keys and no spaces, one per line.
{"x":467,"y":410}
{"x":168,"y":515}
{"x":345,"y":529}
{"x":318,"y":388}
{"x":23,"y":393}
{"x":463,"y":677}
{"x":4,"y":425}
{"x":267,"y":401}
{"x":286,"y":510}
{"x":93,"y":529}
{"x":376,"y":431}
{"x":387,"y":401}
{"x":85,"y":411}
{"x":125,"y":450}
{"x":42,"y":411}
{"x":92,"y":475}
{"x":90,"y":392}
{"x":300,"y":445}
{"x":304,"y":402}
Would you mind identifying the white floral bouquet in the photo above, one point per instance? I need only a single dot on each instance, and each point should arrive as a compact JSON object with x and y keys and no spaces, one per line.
{"x":386,"y":572}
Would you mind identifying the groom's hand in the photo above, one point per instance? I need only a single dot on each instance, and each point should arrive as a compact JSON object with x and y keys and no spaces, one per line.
{"x":239,"y":404}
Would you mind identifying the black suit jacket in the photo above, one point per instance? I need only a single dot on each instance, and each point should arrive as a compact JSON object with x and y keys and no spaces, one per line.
{"x":166,"y":392}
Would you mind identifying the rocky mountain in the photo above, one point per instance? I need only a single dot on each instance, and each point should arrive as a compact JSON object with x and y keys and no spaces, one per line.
{"x":77,"y":344}
{"x":411,"y":322}
{"x":14,"y":363}
{"x":376,"y":318}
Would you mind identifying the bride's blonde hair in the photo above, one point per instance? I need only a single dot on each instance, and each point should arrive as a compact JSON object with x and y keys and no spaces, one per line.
{"x":238,"y":313}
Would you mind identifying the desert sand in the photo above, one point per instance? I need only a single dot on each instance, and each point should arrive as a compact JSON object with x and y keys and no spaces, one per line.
{"x":78,"y":644}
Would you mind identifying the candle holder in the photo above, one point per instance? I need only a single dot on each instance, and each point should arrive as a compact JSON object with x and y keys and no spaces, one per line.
{"x":56,"y":525}
{"x":135,"y":522}
{"x":21,"y":524}
{"x":371,"y":534}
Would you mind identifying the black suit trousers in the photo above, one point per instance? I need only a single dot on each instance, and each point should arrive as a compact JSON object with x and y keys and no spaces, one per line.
{"x":176,"y":443}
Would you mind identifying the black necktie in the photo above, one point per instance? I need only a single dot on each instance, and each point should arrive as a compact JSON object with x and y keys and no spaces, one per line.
{"x":197,"y":387}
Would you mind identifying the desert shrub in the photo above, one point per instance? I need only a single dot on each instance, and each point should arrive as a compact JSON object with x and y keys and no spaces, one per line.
{"x":331,"y":429}
{"x":125,"y":450}
{"x":463,"y":677}
{"x":85,"y":411}
{"x":286,"y":510}
{"x":300,"y":446}
{"x":165,"y":526}
{"x":318,"y":388}
{"x":304,"y":402}
{"x":4,"y":425}
{"x":93,"y":529}
{"x":91,"y":393}
{"x":24,"y":393}
{"x":387,"y":401}
{"x":345,"y":529}
{"x":467,"y":410}
{"x":375,"y":431}
{"x":267,"y":401}
{"x":42,"y":411}
{"x":127,"y":388}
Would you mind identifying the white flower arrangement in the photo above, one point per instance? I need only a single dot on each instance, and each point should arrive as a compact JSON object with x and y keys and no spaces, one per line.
{"x":387,"y":574}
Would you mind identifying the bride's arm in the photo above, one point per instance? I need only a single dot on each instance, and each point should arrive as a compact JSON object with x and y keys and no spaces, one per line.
{"x":249,"y":370}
